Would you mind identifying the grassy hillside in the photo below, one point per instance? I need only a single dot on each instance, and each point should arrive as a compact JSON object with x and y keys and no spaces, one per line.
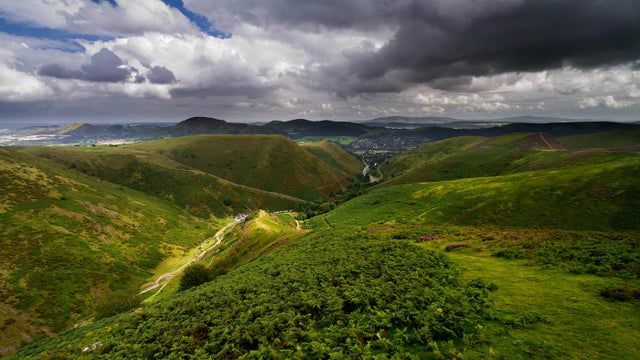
{"x":427,"y":154}
{"x":338,"y":294}
{"x":467,"y":157}
{"x":267,"y":162}
{"x":506,"y":247}
{"x":602,"y":196}
{"x":149,"y":168}
{"x":334,"y":156}
{"x":261,"y":234}
{"x":68,"y":241}
{"x":611,"y":139}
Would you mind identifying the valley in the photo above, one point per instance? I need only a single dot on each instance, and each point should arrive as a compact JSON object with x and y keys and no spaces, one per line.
{"x":485,"y":244}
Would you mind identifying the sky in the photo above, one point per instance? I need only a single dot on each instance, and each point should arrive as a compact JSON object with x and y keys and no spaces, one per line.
{"x":259,"y":60}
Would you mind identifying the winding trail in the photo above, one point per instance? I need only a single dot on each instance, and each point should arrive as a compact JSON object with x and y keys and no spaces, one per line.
{"x":164,"y":279}
{"x":298,"y":226}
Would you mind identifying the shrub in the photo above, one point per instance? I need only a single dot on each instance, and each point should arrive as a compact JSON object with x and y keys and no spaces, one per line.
{"x":456,"y":246}
{"x":624,"y":292}
{"x":194,"y":275}
{"x":115,"y":304}
{"x":510,"y":254}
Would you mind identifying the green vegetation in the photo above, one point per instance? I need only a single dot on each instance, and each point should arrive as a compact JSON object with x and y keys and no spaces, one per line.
{"x":68,"y":240}
{"x":612,"y":139}
{"x":326,"y":295}
{"x":468,"y":157}
{"x":199,"y":193}
{"x":261,"y":234}
{"x":509,"y":247}
{"x":342,"y":140}
{"x":267,"y":162}
{"x":586,"y":197}
{"x":335,"y":156}
{"x":194,"y":275}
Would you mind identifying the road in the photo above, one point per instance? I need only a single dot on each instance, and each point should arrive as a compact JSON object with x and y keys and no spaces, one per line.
{"x":164,"y":279}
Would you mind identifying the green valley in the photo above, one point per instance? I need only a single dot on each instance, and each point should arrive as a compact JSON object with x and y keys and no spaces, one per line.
{"x":514,"y":246}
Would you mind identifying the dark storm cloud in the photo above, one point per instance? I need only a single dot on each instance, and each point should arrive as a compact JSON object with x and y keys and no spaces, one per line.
{"x":161,"y":75}
{"x":447,"y":39}
{"x":104,"y":66}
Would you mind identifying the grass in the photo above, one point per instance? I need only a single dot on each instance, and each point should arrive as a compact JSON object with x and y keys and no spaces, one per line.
{"x":356,"y":296}
{"x":267,"y":162}
{"x":467,"y":157}
{"x":571,"y":319}
{"x":612,"y":139}
{"x":235,"y":171}
{"x":342,"y":140}
{"x":68,"y":241}
{"x":198,"y":192}
{"x":586,"y":197}
{"x":335,"y":156}
{"x":516,"y":248}
{"x":261,"y":234}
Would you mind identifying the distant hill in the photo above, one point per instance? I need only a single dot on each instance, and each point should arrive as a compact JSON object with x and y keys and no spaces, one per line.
{"x":300,"y":128}
{"x":267,"y":162}
{"x":205,"y":125}
{"x":335,"y":156}
{"x":411,"y":120}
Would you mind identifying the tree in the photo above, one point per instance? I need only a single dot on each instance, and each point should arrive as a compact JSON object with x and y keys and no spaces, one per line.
{"x":194,"y":275}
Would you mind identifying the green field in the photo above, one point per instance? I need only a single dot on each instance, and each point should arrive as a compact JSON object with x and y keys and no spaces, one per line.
{"x":508,"y":248}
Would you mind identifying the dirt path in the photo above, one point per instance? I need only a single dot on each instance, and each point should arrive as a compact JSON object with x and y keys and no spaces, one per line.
{"x":164,"y":279}
{"x":298,"y":226}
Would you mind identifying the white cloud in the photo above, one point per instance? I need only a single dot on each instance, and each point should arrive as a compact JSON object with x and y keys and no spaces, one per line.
{"x":87,"y":17}
{"x":17,"y":86}
{"x":606,"y":101}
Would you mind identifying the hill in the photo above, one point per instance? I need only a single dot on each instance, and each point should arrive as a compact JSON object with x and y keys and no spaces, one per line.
{"x":603,"y":196}
{"x":328,"y":294}
{"x":300,"y":128}
{"x":199,"y":193}
{"x":219,"y":174}
{"x":334,"y":156}
{"x":267,"y":162}
{"x":612,"y":139}
{"x":465,"y":157}
{"x":205,"y":125}
{"x":69,"y":242}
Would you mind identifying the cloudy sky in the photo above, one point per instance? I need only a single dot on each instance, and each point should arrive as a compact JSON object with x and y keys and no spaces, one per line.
{"x":248,"y":60}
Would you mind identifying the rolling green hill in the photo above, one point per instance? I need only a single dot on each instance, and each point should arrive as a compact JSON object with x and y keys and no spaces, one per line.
{"x":217,"y":174}
{"x":611,"y":139}
{"x":334,"y":156}
{"x":552,"y":233}
{"x":467,"y":157}
{"x":603,"y":196}
{"x":337,"y":294}
{"x":198,"y":192}
{"x":69,"y":241}
{"x":267,"y":162}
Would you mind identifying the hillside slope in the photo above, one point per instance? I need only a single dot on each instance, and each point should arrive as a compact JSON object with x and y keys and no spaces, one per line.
{"x":267,"y":162}
{"x":611,"y":139}
{"x":603,"y":196}
{"x":334,"y":156}
{"x":466,"y":157}
{"x":151,"y":172}
{"x":68,"y":241}
{"x":331,"y":294}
